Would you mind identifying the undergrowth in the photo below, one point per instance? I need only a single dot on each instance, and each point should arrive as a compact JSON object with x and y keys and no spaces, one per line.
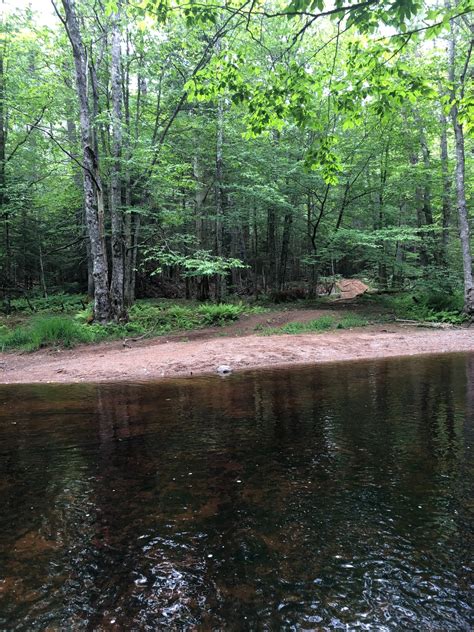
{"x":146,"y":319}
{"x":54,"y":304}
{"x":428,"y":306}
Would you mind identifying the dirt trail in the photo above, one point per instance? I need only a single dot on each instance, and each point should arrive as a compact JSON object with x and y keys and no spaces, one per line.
{"x":172,"y":357}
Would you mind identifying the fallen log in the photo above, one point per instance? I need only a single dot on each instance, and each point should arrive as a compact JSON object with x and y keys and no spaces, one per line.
{"x":425,"y":323}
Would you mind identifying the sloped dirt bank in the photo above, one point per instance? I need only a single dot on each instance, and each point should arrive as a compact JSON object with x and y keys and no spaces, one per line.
{"x":161,"y":358}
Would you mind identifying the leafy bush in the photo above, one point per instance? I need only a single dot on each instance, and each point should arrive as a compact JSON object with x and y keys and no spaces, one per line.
{"x":178,"y":317}
{"x":429,"y":307}
{"x":446,"y":316}
{"x":84,"y":315}
{"x":220,"y":314}
{"x":440,"y":302}
{"x":162,"y":317}
{"x":112,"y":331}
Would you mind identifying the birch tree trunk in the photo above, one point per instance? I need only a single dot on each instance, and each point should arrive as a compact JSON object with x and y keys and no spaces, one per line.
{"x":3,"y":180}
{"x":91,"y":178}
{"x":118,"y":247}
{"x":463,"y":217}
{"x":77,"y":177}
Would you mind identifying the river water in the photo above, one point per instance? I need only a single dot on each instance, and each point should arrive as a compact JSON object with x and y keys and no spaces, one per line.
{"x":317,"y":498}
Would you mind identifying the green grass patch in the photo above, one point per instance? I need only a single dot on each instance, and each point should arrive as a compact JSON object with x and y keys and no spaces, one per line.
{"x":324,"y":323}
{"x":61,"y":331}
{"x":352,"y":321}
{"x":44,"y":331}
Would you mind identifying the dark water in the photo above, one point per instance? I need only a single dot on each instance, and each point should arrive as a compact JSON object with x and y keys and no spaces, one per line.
{"x":323,"y":498}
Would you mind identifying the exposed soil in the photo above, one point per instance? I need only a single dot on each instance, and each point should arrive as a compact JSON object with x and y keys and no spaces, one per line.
{"x":237,"y":345}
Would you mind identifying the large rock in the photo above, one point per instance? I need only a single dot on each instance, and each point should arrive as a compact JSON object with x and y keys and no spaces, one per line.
{"x":224,"y":369}
{"x":350,"y":288}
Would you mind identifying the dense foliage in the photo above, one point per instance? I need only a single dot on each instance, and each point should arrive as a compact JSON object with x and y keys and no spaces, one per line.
{"x":201,"y":149}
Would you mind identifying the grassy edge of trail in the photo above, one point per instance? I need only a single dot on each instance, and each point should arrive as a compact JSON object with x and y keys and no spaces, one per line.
{"x":64,"y":321}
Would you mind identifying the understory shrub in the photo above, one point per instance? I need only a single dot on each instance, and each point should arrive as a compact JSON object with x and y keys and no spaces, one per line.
{"x":162,"y":317}
{"x":56,"y":303}
{"x":220,"y":314}
{"x":429,"y":307}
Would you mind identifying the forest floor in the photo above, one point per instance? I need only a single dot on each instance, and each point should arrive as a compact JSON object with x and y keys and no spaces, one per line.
{"x":240,"y":345}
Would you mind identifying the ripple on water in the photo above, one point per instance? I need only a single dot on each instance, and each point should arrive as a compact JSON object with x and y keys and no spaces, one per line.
{"x":326,"y":498}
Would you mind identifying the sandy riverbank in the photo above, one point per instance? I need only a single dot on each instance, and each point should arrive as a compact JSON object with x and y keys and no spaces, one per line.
{"x":161,"y":358}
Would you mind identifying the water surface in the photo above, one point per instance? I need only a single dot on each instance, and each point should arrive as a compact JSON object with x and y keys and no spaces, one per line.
{"x":319,"y":498}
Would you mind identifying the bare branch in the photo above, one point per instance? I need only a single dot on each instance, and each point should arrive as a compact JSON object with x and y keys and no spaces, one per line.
{"x":27,"y":135}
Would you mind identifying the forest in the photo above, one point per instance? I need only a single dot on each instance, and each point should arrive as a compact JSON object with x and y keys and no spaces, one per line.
{"x":235,"y":150}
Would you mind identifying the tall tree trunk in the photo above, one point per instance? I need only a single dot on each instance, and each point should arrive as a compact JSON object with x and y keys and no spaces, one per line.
{"x":434,"y":249}
{"x":97,"y":131}
{"x":135,"y":232}
{"x":127,"y":217}
{"x":91,"y":177}
{"x":77,"y":177}
{"x":382,"y":266}
{"x":464,"y":232}
{"x":256,"y":259}
{"x":397,"y":275}
{"x":220,"y":282}
{"x":3,"y":132}
{"x":131,"y":218}
{"x":118,"y":248}
{"x":446,"y":195}
{"x":285,"y":244}
{"x":419,"y":206}
{"x":3,"y":181}
{"x":427,"y":208}
{"x":42,"y":276}
{"x":199,"y":197}
{"x":271,"y":247}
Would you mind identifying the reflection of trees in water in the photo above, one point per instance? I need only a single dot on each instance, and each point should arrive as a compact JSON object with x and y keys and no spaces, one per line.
{"x":287,"y":479}
{"x":469,"y":425}
{"x":44,"y":498}
{"x":148,"y":572}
